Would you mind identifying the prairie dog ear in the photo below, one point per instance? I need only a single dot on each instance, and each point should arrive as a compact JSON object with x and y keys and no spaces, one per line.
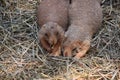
{"x":66,"y":34}
{"x":60,"y":28}
{"x":43,"y":26}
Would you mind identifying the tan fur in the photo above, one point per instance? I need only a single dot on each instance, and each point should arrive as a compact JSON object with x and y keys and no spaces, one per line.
{"x":53,"y":11}
{"x":52,"y":18}
{"x":85,"y":19}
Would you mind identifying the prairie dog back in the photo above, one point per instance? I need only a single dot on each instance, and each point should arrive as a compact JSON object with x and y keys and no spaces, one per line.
{"x":54,"y":11}
{"x":86,"y":12}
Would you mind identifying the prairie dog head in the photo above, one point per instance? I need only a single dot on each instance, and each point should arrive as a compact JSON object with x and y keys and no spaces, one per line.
{"x":49,"y":34}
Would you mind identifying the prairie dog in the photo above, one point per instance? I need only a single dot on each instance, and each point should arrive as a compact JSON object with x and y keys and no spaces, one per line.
{"x":85,"y":19}
{"x":52,"y":18}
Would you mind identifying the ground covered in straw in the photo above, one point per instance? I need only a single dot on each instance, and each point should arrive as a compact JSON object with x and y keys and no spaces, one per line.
{"x":22,"y":58}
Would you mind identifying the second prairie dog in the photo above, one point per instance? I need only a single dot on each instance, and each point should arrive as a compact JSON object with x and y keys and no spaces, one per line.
{"x":53,"y":19}
{"x":85,"y":20}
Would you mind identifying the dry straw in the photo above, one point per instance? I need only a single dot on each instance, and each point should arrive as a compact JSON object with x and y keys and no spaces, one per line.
{"x":22,"y":58}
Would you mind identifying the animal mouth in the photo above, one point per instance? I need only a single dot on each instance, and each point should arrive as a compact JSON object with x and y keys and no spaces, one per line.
{"x":52,"y":46}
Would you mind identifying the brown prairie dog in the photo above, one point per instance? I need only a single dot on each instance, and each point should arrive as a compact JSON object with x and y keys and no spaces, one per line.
{"x":53,"y":19}
{"x":85,"y":19}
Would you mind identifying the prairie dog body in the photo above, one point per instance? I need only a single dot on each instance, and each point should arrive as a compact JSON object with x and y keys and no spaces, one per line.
{"x":85,"y":18}
{"x":53,"y":20}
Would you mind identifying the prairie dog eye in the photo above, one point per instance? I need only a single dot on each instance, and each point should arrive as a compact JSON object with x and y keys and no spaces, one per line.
{"x":52,"y":27}
{"x":46,"y":35}
{"x":57,"y":33}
